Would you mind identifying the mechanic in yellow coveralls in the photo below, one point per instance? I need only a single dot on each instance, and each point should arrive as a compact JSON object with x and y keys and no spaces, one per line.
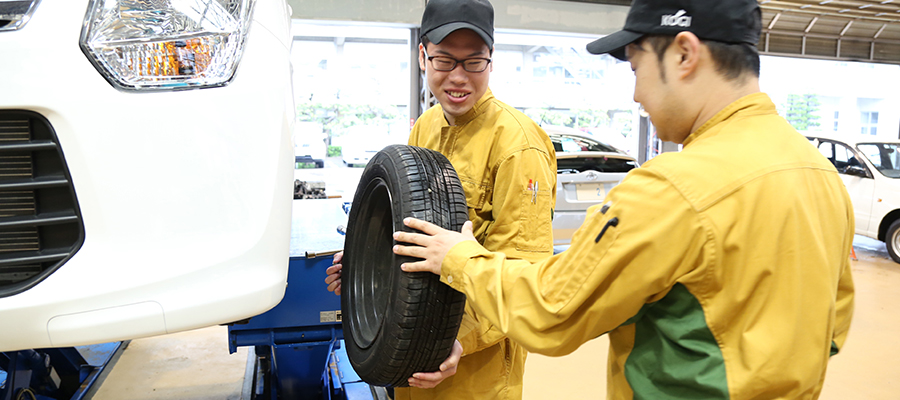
{"x":507,"y":167}
{"x":719,"y":272}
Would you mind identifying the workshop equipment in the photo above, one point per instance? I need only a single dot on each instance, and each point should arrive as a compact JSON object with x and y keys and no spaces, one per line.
{"x":296,"y":347}
{"x":67,"y":373}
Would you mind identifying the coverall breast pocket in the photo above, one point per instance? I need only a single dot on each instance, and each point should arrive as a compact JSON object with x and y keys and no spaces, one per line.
{"x":535,"y":228}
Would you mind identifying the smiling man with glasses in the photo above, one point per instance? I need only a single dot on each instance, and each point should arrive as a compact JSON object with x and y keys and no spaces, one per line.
{"x":507,"y":166}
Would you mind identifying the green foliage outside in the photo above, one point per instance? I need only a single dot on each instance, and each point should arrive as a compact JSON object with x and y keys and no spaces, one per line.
{"x":335,"y":117}
{"x":590,"y":118}
{"x":801,"y":111}
{"x":333,"y":151}
{"x":307,"y":165}
{"x":546,"y":116}
{"x":584,"y":118}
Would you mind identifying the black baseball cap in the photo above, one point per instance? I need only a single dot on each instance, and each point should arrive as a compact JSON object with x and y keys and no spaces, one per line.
{"x":443,"y":17}
{"x":726,"y":21}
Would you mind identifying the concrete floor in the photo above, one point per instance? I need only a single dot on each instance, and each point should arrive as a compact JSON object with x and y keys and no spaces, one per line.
{"x":196,"y":365}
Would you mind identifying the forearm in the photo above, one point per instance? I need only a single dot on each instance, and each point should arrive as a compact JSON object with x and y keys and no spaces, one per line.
{"x":507,"y":294}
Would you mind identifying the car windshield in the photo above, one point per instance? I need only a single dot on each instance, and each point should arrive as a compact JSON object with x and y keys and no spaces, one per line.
{"x":574,"y":144}
{"x":599,"y":164}
{"x":884,"y":156}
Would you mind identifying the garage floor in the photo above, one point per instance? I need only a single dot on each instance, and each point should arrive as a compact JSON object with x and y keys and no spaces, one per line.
{"x":196,"y":365}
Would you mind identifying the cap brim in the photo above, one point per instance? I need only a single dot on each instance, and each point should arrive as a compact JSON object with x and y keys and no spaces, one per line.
{"x":438,"y":34}
{"x":614,"y":44}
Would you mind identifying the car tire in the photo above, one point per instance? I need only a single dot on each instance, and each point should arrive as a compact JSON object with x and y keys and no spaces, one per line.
{"x":397,"y":323}
{"x":892,"y":241}
{"x":320,"y":163}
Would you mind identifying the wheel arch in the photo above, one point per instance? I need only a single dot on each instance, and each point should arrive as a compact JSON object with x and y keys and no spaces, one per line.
{"x":886,"y":223}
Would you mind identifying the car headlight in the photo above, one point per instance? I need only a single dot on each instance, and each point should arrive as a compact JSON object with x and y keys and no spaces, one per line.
{"x":166,"y":44}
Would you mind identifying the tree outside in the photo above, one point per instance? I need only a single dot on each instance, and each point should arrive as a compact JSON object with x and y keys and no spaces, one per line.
{"x":337,"y":117}
{"x":802,"y":111}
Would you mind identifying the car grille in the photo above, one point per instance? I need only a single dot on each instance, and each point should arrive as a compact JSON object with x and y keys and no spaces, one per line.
{"x":40,"y":223}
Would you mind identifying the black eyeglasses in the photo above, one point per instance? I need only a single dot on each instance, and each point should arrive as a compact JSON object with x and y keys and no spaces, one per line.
{"x":445,"y":64}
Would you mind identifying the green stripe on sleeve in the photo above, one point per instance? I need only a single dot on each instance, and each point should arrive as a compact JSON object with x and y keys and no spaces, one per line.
{"x":675,"y":355}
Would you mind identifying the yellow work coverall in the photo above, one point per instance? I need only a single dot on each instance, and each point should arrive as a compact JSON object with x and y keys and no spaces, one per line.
{"x":719,"y":272}
{"x":507,"y":166}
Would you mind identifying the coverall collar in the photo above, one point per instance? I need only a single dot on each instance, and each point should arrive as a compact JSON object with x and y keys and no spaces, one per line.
{"x":476,"y":110}
{"x":756,"y":103}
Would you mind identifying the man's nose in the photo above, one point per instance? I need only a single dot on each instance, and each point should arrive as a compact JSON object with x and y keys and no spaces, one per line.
{"x":459,"y":74}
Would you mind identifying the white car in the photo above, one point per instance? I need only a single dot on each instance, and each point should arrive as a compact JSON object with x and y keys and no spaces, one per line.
{"x":362,"y":144}
{"x":309,"y":144}
{"x":587,"y":169}
{"x":147,"y":166}
{"x":870,"y":170}
{"x":357,"y":156}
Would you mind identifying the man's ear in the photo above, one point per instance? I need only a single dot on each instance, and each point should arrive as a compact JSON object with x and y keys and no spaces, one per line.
{"x":421,"y":56}
{"x":491,"y":65}
{"x":688,"y":48}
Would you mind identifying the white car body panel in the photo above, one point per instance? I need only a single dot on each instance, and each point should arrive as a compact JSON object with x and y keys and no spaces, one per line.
{"x":861,"y":192}
{"x":875,"y":198}
{"x":185,"y":196}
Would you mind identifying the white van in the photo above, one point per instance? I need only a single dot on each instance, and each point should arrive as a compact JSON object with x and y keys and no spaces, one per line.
{"x":871,"y":171}
{"x":147,"y":167}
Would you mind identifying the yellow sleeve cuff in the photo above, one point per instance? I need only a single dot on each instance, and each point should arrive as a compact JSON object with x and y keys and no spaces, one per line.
{"x":454,"y":264}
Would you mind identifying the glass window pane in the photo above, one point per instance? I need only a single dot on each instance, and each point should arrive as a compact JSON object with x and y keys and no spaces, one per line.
{"x":825,"y":149}
{"x":842,"y":153}
{"x":351,"y":90}
{"x":555,"y":81}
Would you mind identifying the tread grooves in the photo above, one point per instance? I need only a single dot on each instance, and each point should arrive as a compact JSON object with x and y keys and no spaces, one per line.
{"x":419,"y":328}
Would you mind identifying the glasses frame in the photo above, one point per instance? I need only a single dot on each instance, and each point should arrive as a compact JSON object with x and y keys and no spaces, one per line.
{"x":457,"y":62}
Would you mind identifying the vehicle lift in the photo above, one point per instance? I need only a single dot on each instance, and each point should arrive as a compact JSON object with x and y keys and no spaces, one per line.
{"x":295,"y":349}
{"x":56,"y":373}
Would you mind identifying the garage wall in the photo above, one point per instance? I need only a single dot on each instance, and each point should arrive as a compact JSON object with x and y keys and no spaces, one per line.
{"x":542,"y":15}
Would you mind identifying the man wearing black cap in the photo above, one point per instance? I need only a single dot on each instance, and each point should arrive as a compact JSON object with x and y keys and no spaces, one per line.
{"x":719,"y":272}
{"x":507,"y":166}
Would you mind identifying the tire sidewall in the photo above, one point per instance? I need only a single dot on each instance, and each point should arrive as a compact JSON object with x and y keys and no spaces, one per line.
{"x":381,"y":169}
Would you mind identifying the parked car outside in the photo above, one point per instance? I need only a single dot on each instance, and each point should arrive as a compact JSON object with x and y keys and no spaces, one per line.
{"x":147,"y":167}
{"x":870,"y":170}
{"x":587,"y":169}
{"x":309,"y":144}
{"x":361,"y":143}
{"x":356,"y":155}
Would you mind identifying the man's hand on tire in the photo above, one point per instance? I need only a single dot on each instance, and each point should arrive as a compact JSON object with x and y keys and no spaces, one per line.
{"x":431,"y":247}
{"x":428,"y":380}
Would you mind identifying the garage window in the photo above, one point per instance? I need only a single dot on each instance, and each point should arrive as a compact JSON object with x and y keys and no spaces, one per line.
{"x":869,"y":123}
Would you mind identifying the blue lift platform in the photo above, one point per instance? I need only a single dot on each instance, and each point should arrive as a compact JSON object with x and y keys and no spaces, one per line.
{"x":296,"y":347}
{"x":56,"y":373}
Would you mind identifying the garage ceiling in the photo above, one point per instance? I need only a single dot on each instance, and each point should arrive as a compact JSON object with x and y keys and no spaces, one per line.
{"x":856,"y":30}
{"x":862,"y":30}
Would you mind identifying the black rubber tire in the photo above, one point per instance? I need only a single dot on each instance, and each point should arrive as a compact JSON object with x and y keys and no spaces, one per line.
{"x":892,"y":241}
{"x":397,"y":323}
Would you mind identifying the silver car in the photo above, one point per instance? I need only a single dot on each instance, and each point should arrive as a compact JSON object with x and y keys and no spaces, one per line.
{"x":587,"y":170}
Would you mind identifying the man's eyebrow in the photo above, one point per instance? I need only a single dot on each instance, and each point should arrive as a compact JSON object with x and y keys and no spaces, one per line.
{"x":473,"y":54}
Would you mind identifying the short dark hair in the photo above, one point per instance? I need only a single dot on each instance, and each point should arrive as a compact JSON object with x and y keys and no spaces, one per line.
{"x":732,"y":60}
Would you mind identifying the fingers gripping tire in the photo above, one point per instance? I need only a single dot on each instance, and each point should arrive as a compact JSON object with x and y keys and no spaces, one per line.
{"x":397,"y":323}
